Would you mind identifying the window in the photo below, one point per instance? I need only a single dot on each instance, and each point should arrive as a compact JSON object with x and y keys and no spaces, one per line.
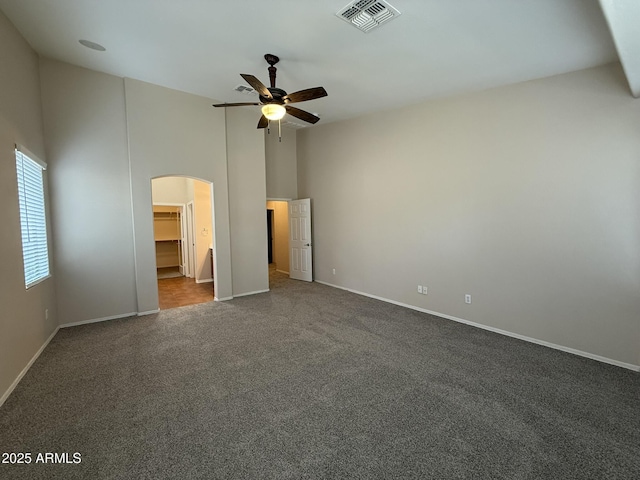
{"x":33,"y":222}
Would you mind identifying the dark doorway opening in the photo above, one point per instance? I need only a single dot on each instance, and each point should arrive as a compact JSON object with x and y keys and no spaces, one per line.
{"x":270,"y":235}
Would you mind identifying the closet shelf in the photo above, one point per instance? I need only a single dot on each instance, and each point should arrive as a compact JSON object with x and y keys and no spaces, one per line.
{"x":167,"y":235}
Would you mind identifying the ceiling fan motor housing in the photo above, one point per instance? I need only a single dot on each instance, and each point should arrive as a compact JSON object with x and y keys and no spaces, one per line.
{"x":277,"y":94}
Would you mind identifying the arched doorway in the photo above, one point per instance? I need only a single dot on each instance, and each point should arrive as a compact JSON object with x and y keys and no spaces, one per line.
{"x":183,"y":233}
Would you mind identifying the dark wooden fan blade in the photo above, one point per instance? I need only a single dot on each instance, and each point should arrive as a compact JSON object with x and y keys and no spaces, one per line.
{"x":235,"y":104}
{"x":301,"y":114}
{"x":263,"y":122}
{"x":257,"y":84}
{"x":304,"y":95}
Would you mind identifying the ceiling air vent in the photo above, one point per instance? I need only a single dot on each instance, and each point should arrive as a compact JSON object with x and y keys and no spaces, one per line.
{"x":368,"y":14}
{"x":246,"y":89}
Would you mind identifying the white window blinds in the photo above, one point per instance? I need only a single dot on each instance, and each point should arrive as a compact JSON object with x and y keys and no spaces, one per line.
{"x":32,"y":219}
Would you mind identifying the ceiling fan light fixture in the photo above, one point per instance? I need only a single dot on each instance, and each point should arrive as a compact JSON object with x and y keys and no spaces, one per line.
{"x":273,"y":111}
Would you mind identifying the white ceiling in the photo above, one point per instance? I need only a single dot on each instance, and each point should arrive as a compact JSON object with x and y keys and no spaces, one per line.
{"x":435,"y":48}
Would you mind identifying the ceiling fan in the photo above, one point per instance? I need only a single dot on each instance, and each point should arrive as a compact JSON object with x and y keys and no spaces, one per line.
{"x":275,"y":101}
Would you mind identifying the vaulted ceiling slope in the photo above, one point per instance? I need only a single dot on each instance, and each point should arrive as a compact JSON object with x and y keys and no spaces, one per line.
{"x":434,"y":48}
{"x":623,"y":17}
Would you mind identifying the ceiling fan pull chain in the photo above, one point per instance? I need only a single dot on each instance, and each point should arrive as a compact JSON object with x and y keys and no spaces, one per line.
{"x":279,"y":131}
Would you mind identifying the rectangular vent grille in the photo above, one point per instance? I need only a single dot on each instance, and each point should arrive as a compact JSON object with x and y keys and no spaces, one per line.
{"x":368,"y":14}
{"x":246,"y":89}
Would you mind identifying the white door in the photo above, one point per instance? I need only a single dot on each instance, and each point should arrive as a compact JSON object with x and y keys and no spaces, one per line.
{"x":300,"y":267}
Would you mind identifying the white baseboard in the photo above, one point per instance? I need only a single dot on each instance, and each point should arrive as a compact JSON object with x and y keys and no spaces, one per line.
{"x":6,"y":394}
{"x":223,"y":299}
{"x":250,"y":293}
{"x":580,"y":353}
{"x":148,"y":312}
{"x":96,"y":320}
{"x":282,"y":271}
{"x":206,"y":280}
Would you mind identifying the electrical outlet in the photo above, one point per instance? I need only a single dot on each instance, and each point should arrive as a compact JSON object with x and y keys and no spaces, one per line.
{"x":46,"y":314}
{"x":467,"y":298}
{"x":424,"y":289}
{"x":419,"y":288}
{"x":334,"y":271}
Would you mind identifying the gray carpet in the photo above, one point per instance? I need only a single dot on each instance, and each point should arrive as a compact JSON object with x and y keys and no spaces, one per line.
{"x":308,"y":381}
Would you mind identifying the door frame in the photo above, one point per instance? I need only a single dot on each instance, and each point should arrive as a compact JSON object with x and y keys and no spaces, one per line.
{"x":191,"y":238}
{"x":279,"y":241}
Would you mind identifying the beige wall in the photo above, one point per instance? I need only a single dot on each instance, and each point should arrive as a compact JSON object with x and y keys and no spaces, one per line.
{"x":84,"y":119}
{"x":281,"y":164}
{"x":247,"y":197}
{"x":281,"y":183}
{"x":524,"y":196}
{"x":171,"y":190}
{"x":175,"y":133}
{"x":23,"y":328}
{"x":164,"y":132}
{"x":280,"y":234}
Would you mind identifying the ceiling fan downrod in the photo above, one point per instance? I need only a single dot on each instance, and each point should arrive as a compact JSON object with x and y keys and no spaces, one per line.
{"x":272,"y":60}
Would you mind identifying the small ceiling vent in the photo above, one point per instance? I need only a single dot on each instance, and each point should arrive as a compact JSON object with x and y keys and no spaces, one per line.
{"x":246,"y":89}
{"x":366,"y":15}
